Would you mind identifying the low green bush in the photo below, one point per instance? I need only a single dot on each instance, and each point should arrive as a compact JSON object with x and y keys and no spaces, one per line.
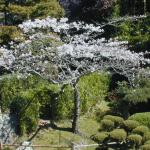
{"x":135,"y":139}
{"x":101,"y":137}
{"x":142,"y":118}
{"x":146,"y":136}
{"x":116,"y":119}
{"x":107,"y":124}
{"x":147,"y":142}
{"x":141,"y":130}
{"x":145,"y":147}
{"x":130,"y":124}
{"x":118,"y":134}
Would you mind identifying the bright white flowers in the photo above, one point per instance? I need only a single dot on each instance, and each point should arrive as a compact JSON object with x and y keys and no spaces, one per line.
{"x":80,"y":52}
{"x":6,"y":57}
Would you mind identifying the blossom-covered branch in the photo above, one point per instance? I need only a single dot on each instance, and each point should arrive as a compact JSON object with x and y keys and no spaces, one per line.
{"x":77,"y":52}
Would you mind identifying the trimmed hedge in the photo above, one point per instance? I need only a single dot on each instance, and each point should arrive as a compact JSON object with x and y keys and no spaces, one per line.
{"x":147,"y":142}
{"x":118,"y":134}
{"x":101,"y":137}
{"x":146,"y":136}
{"x":135,"y":139}
{"x":130,"y":124}
{"x":107,"y":124}
{"x":141,"y":130}
{"x":143,"y":118}
{"x":145,"y":147}
{"x":116,"y":119}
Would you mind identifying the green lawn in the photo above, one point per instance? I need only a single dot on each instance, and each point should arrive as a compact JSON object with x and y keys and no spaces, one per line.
{"x":62,"y":136}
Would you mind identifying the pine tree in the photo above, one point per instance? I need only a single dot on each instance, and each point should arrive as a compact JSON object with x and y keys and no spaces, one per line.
{"x":14,"y":12}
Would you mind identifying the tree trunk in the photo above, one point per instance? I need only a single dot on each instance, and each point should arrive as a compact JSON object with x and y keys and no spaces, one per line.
{"x":75,"y":123}
{"x":144,"y":7}
{"x":5,"y":12}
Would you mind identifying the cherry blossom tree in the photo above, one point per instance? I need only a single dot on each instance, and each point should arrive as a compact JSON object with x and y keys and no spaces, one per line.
{"x":78,"y":53}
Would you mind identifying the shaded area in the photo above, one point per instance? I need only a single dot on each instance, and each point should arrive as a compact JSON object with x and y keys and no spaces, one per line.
{"x":115,"y":79}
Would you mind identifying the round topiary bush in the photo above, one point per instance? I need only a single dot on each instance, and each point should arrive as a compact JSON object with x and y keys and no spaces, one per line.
{"x":140,"y":130}
{"x":146,"y":136}
{"x":147,"y":142}
{"x":118,"y":134}
{"x":145,"y":147}
{"x":130,"y":124}
{"x":116,"y":119}
{"x":143,"y":118}
{"x":107,"y":124}
{"x":135,"y":139}
{"x":100,"y":137}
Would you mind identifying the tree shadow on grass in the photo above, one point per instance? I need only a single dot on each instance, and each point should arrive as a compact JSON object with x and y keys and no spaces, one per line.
{"x":52,"y":126}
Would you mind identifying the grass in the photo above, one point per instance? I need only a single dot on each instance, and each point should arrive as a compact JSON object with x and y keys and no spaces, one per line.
{"x":62,"y":136}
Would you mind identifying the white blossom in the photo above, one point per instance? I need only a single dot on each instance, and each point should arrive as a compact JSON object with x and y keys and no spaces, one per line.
{"x":80,"y":52}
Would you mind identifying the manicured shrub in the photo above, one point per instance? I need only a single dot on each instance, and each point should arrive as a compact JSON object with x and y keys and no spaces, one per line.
{"x":116,"y":119}
{"x":93,"y":89}
{"x":143,"y":118}
{"x":130,"y":124}
{"x":140,"y":130}
{"x":107,"y":124}
{"x":147,"y":142}
{"x":118,"y":134}
{"x":135,"y":139}
{"x":101,"y":137}
{"x":146,"y":136}
{"x":145,"y":147}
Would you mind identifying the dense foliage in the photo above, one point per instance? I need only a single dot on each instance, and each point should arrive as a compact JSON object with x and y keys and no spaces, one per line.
{"x":127,"y":134}
{"x":33,"y":98}
{"x":127,"y":99}
{"x":73,"y":64}
{"x":17,"y":11}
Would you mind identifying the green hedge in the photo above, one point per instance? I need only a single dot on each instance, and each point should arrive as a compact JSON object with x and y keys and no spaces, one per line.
{"x":93,"y":89}
{"x":101,"y":137}
{"x":116,"y":119}
{"x":141,"y":130}
{"x":146,"y":136}
{"x":130,"y":124}
{"x":143,"y":118}
{"x":118,"y":134}
{"x":107,"y":124}
{"x":135,"y":139}
{"x":145,"y":147}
